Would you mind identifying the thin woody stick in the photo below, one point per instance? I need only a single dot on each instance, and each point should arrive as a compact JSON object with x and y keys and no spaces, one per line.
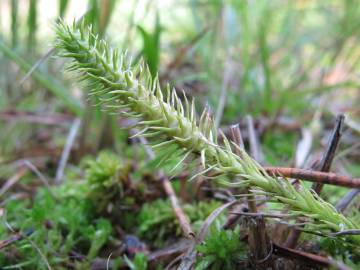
{"x":314,"y":176}
{"x":346,"y":200}
{"x":306,"y":175}
{"x":255,"y":150}
{"x":324,"y":166}
{"x":12,"y":181}
{"x":329,"y":154}
{"x":67,"y":149}
{"x":258,"y":239}
{"x":308,"y":258}
{"x":183,"y":220}
{"x":179,"y":213}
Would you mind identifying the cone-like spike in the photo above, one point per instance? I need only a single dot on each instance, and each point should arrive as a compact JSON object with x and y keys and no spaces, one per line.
{"x":105,"y":70}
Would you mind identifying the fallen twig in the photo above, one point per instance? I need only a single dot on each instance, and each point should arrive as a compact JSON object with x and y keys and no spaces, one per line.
{"x":37,"y":64}
{"x":305,"y":175}
{"x":41,"y":177}
{"x":32,"y":243}
{"x":12,"y":181}
{"x":210,"y":219}
{"x":260,"y":244}
{"x":347,"y":199}
{"x":170,"y":251}
{"x":237,"y":136}
{"x":227,"y":75}
{"x":67,"y":148}
{"x":306,"y":257}
{"x":258,"y":239}
{"x":233,"y":218}
{"x":314,"y":176}
{"x":32,"y":117}
{"x":329,"y":154}
{"x":183,"y":50}
{"x":180,"y":215}
{"x":265,"y":215}
{"x":14,"y":238}
{"x":324,"y":167}
{"x":188,"y":259}
{"x":183,"y":220}
{"x":346,"y":232}
{"x":255,"y":149}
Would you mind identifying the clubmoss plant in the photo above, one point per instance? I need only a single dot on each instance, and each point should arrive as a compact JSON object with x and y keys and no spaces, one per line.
{"x":132,"y":92}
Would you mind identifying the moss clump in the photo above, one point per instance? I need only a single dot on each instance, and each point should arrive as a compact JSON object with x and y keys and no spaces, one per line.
{"x":56,"y":227}
{"x":221,"y":249}
{"x":104,"y":178}
{"x":157,"y":220}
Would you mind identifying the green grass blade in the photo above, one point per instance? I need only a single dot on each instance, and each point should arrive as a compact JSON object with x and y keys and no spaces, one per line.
{"x":264,"y":56}
{"x":48,"y":82}
{"x":32,"y":25}
{"x":14,"y":22}
{"x":92,"y":15}
{"x":151,"y":46}
{"x":63,"y":4}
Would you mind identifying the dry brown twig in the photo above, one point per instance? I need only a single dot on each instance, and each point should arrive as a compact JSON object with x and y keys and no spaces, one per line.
{"x":258,"y":239}
{"x":329,"y":154}
{"x":307,"y":258}
{"x":314,"y":176}
{"x":188,"y":259}
{"x":324,"y":167}
{"x":12,"y":180}
{"x":33,"y":117}
{"x":347,"y":199}
{"x":180,"y":215}
{"x":182,"y":218}
{"x":67,"y":149}
{"x":255,"y":149}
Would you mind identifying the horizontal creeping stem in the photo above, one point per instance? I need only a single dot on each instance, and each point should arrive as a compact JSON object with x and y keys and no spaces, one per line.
{"x":169,"y":123}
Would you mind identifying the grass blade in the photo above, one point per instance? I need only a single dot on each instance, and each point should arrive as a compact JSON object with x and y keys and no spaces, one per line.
{"x":45,"y":80}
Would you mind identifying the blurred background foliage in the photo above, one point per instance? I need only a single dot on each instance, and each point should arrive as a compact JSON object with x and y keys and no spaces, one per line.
{"x":271,"y":59}
{"x":292,"y":65}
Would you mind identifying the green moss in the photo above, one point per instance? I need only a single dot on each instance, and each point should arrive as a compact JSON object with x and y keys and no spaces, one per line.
{"x":104,"y":178}
{"x":221,"y":249}
{"x":140,"y":262}
{"x":56,"y":227}
{"x":157,"y":221}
